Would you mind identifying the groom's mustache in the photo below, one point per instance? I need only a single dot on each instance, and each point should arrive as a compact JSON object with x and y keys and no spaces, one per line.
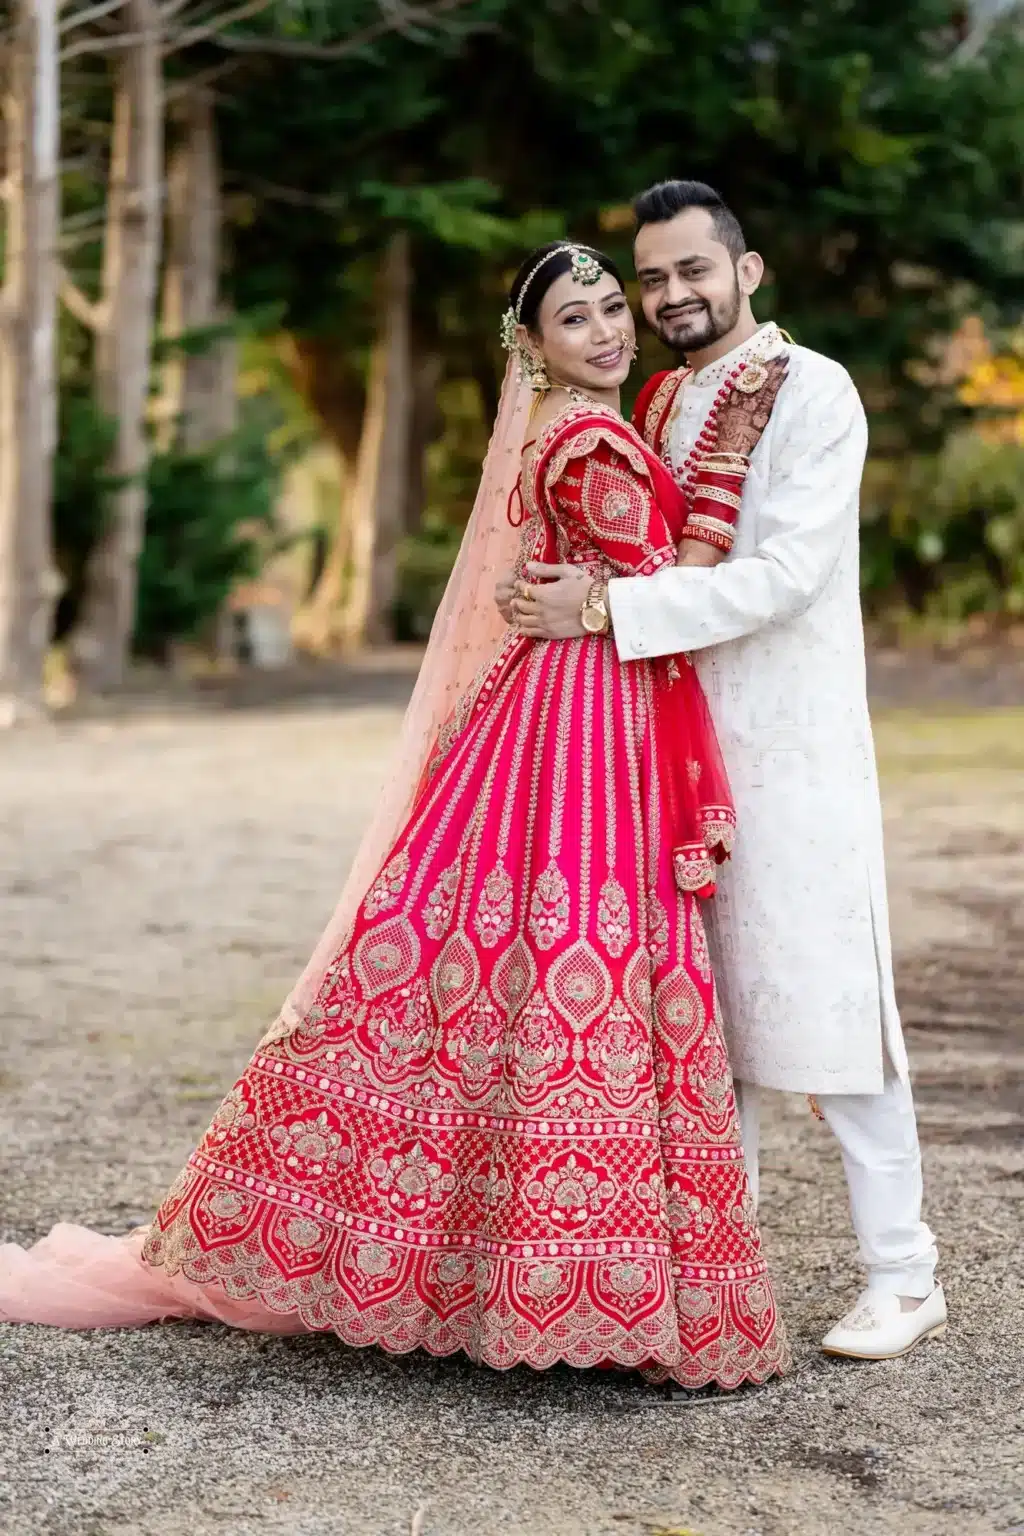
{"x":682,"y":311}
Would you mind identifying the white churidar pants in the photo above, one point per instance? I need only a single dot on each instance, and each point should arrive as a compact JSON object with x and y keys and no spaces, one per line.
{"x":877,"y":1135}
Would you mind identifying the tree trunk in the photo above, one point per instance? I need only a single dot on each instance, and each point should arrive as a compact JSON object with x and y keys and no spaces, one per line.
{"x":28,"y":396}
{"x":425,"y":423}
{"x":198,"y":393}
{"x":322,"y":373}
{"x":378,"y":497}
{"x":124,"y":324}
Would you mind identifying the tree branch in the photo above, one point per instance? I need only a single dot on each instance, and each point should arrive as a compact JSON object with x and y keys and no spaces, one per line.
{"x":87,"y":311}
{"x":402,"y":17}
{"x":103,"y":44}
{"x":93,"y":13}
{"x":210,"y":29}
{"x":177,"y":90}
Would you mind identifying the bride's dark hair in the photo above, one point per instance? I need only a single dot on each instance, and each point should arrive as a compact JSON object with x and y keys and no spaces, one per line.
{"x":549,"y":272}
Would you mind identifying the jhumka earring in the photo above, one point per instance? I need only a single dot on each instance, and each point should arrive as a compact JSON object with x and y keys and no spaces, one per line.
{"x":529,"y":366}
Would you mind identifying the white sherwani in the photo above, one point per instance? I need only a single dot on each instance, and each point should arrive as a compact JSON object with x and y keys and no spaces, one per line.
{"x":799,"y":928}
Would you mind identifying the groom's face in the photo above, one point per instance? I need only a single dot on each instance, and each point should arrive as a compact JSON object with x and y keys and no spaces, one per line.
{"x":689,"y":284}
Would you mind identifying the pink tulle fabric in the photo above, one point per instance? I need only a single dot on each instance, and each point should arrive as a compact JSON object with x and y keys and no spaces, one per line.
{"x":76,"y":1278}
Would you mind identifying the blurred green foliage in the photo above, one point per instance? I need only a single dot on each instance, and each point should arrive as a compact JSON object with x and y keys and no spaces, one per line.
{"x":879,"y":172}
{"x":209,"y":521}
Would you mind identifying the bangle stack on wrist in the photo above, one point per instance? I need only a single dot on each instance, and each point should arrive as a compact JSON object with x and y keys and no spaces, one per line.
{"x":716,"y":499}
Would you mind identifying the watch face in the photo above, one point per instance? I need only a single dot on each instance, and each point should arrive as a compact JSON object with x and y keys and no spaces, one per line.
{"x":594,"y":620}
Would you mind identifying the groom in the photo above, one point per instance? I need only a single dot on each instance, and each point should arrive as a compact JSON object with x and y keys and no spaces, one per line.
{"x":800,"y":927}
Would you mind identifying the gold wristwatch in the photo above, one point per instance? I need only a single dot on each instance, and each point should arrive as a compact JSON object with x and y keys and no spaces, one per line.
{"x":594,"y":615}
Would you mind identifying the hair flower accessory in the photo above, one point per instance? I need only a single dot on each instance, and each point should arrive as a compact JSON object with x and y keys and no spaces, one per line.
{"x":508,"y":329}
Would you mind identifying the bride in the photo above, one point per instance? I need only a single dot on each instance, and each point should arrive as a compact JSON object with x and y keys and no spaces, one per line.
{"x":496,"y":1114}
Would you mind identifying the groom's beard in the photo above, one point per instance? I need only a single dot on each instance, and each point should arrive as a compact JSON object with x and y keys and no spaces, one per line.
{"x":696,"y":324}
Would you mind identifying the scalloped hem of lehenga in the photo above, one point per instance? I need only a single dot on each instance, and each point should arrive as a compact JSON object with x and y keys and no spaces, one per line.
{"x":751,"y":1366}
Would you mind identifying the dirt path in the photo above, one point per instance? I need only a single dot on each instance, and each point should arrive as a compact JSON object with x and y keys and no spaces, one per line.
{"x":163,"y":878}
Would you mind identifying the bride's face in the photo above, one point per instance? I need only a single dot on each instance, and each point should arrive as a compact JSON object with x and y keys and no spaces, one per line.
{"x":585,"y":335}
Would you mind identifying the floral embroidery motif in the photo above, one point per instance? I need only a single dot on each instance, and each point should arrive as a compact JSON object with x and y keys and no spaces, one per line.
{"x":613,"y":925}
{"x":570,"y":1190}
{"x":629,"y":1278}
{"x":312,"y":1147}
{"x":475,"y":1043}
{"x":545,"y":1281}
{"x":454,"y":976}
{"x":492,"y":1185}
{"x":699,"y":954}
{"x":679,"y":1011}
{"x":303,"y":1234}
{"x":549,"y":908}
{"x":690,"y":1213}
{"x":538,"y":1048}
{"x":412,"y":1178}
{"x":494,"y":909}
{"x":440,"y":908}
{"x":513,"y":978}
{"x":617,"y":1050}
{"x":233,"y":1117}
{"x":657,"y":929}
{"x":374,"y":1259}
{"x":402,"y":1027}
{"x":387,"y":887}
{"x":227,"y":1204}
{"x":386,"y":956}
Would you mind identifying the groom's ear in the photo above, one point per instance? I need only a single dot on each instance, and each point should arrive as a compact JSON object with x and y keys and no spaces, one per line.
{"x":749,"y":272}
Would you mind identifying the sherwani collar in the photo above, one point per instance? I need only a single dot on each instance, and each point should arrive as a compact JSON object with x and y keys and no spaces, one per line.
{"x":767,"y":341}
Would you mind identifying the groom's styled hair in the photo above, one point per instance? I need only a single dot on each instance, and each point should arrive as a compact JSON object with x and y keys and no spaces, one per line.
{"x":668,"y":198}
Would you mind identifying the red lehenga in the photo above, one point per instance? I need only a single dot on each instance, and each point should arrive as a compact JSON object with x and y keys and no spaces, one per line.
{"x":506,"y":1125}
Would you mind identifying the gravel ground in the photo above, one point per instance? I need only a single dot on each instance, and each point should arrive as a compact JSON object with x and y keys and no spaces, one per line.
{"x":164,"y":874}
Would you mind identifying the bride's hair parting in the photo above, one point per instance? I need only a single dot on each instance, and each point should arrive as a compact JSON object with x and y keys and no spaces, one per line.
{"x":537,"y":275}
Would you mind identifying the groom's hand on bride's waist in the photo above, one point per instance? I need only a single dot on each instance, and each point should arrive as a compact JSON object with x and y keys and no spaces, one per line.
{"x":552,"y":608}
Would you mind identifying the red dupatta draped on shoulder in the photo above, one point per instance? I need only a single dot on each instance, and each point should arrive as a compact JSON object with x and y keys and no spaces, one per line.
{"x":606,"y":501}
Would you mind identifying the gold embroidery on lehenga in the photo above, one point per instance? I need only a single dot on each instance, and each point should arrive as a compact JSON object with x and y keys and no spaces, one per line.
{"x":579,"y":985}
{"x":570,"y":1190}
{"x":440,"y":907}
{"x":507,"y":1196}
{"x":386,"y":956}
{"x":454,"y":976}
{"x":310,"y":1147}
{"x":475,"y":1043}
{"x":699,"y":954}
{"x":412,"y":1178}
{"x":495,"y":907}
{"x":549,"y":908}
{"x":401,"y":1029}
{"x":613,"y":925}
{"x":537,"y":1049}
{"x":387,"y":887}
{"x":617,"y":1050}
{"x":514,"y":978}
{"x":679,"y":1012}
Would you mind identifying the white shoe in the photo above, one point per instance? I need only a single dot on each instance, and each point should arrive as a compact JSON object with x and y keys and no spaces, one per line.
{"x":878,"y":1328}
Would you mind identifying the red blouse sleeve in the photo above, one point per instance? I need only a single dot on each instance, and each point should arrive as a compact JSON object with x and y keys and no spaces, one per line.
{"x":601,"y":496}
{"x":644,"y":399}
